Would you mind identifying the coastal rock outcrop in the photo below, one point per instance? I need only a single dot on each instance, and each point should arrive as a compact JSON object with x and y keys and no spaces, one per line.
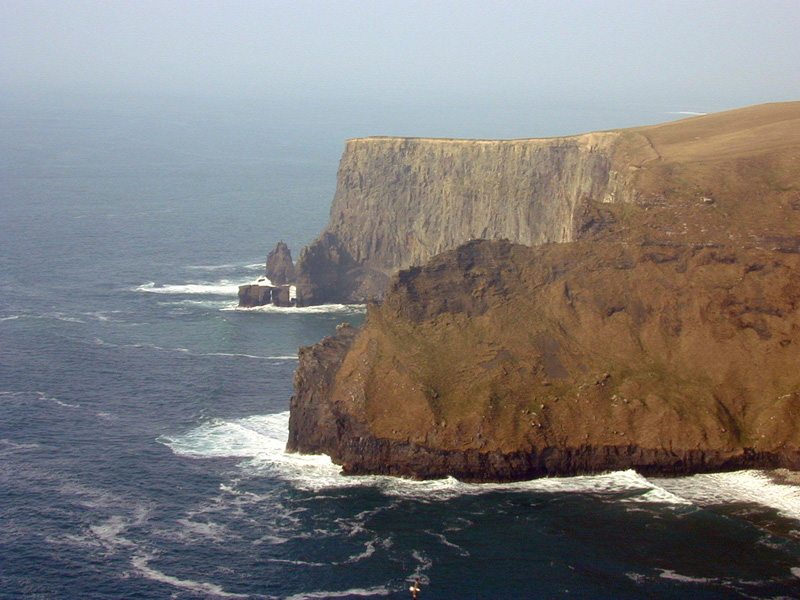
{"x":497,"y":361}
{"x":274,"y":288}
{"x":651,"y":320}
{"x":280,"y":268}
{"x":400,"y":201}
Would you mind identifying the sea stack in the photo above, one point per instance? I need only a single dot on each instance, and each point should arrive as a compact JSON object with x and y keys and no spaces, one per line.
{"x":280,"y":268}
{"x":276,"y":287}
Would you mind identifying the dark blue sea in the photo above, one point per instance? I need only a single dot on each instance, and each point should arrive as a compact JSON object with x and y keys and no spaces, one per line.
{"x":143,"y":416}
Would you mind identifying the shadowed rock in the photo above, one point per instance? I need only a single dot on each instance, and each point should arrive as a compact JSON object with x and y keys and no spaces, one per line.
{"x":280,"y":268}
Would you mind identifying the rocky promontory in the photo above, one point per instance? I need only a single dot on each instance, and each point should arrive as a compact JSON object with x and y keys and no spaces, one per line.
{"x":497,"y":361}
{"x":400,"y":201}
{"x":653,"y":325}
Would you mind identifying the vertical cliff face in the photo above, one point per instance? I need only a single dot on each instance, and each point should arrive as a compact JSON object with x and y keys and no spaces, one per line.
{"x":400,"y":201}
{"x":661,"y":336}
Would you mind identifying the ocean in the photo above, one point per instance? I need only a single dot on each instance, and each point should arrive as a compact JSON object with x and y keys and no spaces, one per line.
{"x":143,"y":417}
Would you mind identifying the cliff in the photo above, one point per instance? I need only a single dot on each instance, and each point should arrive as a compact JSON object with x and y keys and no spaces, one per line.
{"x":497,"y":361}
{"x":400,"y":201}
{"x":661,"y":334}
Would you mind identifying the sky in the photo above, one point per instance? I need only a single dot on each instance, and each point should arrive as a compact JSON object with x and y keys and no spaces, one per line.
{"x":700,"y":53}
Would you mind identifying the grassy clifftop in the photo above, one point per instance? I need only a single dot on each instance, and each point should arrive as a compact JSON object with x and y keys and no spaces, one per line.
{"x":400,"y":201}
{"x":664,"y":337}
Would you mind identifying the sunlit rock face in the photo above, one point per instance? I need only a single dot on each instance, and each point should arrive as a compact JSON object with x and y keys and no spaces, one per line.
{"x":659,"y":332}
{"x":400,"y":201}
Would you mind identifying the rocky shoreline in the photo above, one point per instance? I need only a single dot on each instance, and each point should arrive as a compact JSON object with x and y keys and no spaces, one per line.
{"x":655,"y":328}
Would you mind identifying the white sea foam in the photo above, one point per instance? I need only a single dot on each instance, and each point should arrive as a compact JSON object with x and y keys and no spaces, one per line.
{"x":251,"y":437}
{"x":374,"y":591}
{"x":304,"y":310}
{"x":38,"y":396}
{"x":103,"y":315}
{"x":210,"y":303}
{"x":109,"y":533}
{"x":667,"y":574}
{"x":443,"y":539}
{"x":57,"y":316}
{"x":110,"y":530}
{"x":369,"y":550}
{"x":280,"y":357}
{"x":223,"y":287}
{"x":140,"y":562}
{"x":686,"y":112}
{"x":8,"y":447}
{"x":62,"y":317}
{"x":423,"y":564}
{"x":251,"y":267}
{"x":261,"y":439}
{"x":234,"y":354}
{"x":208,"y":529}
{"x":751,"y":487}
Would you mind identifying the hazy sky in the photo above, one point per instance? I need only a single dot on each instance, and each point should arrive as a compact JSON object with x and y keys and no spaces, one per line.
{"x":721,"y":52}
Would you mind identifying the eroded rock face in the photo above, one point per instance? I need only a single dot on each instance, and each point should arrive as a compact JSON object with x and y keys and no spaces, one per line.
{"x":497,"y":361}
{"x":252,"y":295}
{"x":658,"y":330}
{"x":724,"y":178}
{"x":400,"y":201}
{"x":280,"y":268}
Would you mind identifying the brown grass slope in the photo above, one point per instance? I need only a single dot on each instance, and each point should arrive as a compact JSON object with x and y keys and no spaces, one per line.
{"x":667,"y":339}
{"x":731,"y":177}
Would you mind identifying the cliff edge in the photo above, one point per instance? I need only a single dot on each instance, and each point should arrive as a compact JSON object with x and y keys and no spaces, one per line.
{"x":400,"y":201}
{"x":497,"y":361}
{"x":660,"y":334}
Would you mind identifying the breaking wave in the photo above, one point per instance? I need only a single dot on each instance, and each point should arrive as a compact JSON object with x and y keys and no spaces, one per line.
{"x":260,"y":440}
{"x":224,"y":287}
{"x":305,"y":310}
{"x":747,"y":487}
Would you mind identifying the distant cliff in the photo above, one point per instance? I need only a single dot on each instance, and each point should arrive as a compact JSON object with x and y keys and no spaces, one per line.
{"x":660,"y":334}
{"x":400,"y":201}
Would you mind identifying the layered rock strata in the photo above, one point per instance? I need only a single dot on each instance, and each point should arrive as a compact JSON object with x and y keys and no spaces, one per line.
{"x":400,"y":201}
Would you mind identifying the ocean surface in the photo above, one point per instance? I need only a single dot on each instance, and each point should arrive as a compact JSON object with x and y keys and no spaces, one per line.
{"x":143,"y":416}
